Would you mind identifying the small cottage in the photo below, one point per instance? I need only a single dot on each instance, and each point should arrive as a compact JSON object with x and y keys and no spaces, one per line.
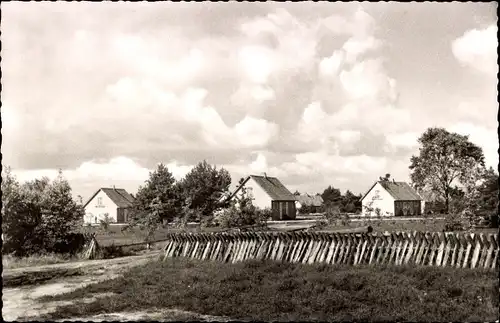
{"x":116,"y":203}
{"x":313,"y":203}
{"x":268,"y":192}
{"x":391,"y":198}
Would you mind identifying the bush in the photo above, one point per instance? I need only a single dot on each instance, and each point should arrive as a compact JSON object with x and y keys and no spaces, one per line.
{"x":332,"y":214}
{"x":234,"y":217}
{"x":454,"y":222}
{"x":71,"y":244}
{"x":307,"y":209}
{"x":112,"y":251}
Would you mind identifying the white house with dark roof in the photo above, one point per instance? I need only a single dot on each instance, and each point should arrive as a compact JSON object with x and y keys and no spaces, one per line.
{"x":115,"y":202}
{"x":268,"y":192}
{"x":392,"y":199}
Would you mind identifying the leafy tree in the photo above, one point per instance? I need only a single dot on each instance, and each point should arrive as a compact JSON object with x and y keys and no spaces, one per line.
{"x":19,"y":214}
{"x":203,"y":187}
{"x":37,"y":216}
{"x":60,"y":213}
{"x":351,"y":203}
{"x":331,"y":196}
{"x":156,"y":202}
{"x":488,"y":194}
{"x":444,"y":159}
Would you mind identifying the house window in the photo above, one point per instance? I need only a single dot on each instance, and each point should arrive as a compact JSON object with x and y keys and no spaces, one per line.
{"x":99,"y":201}
{"x":250,"y":192}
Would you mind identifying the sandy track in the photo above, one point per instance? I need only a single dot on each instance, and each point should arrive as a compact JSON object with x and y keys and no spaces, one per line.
{"x":22,"y":301}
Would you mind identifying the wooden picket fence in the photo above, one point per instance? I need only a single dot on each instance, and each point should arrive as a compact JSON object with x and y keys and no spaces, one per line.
{"x":461,"y":250}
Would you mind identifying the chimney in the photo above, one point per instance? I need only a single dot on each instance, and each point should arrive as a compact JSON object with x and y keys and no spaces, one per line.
{"x":265,"y":175}
{"x":394,"y":181}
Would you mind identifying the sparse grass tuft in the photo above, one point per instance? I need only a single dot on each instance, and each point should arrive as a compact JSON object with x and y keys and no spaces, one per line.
{"x":270,"y":291}
{"x":11,"y":262}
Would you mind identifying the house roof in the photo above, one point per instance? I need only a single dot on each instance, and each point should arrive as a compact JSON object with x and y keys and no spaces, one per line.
{"x":274,"y":188}
{"x":400,"y":191}
{"x":311,"y":200}
{"x":119,"y":196}
{"x":271,"y":185}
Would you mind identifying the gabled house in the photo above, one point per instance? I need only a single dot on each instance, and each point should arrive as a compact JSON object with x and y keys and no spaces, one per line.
{"x":268,"y":192}
{"x":116,"y":203}
{"x":313,"y":202}
{"x":391,"y":198}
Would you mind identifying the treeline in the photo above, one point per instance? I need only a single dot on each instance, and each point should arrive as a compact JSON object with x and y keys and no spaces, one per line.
{"x":198,"y":197}
{"x":195,"y":198}
{"x":333,"y":198}
{"x":347,"y":203}
{"x":39,"y":216}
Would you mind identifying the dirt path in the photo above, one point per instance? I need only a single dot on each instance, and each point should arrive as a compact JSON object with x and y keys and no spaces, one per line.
{"x":22,"y":301}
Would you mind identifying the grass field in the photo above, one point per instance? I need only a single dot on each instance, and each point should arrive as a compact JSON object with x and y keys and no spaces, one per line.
{"x":268,"y":291}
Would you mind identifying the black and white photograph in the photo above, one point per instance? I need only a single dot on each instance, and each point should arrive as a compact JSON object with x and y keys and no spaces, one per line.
{"x":249,"y":161}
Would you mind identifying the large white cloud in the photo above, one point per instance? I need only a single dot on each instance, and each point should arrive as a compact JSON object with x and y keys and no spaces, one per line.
{"x":478,"y":49}
{"x":484,"y":137}
{"x":306,"y":93}
{"x":120,"y":171}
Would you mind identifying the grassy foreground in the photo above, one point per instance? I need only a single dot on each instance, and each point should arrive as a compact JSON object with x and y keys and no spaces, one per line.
{"x":267,"y":291}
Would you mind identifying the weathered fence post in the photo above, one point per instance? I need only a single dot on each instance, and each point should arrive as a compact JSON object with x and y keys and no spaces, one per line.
{"x":460,"y":250}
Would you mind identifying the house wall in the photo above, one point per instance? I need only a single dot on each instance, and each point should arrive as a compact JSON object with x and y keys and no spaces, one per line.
{"x":283,"y":210}
{"x":378,"y":197}
{"x":407,"y":208}
{"x":126,"y":215}
{"x":93,"y":210}
{"x":260,"y":198}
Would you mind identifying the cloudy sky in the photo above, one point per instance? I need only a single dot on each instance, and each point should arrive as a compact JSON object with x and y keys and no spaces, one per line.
{"x":316,"y":94}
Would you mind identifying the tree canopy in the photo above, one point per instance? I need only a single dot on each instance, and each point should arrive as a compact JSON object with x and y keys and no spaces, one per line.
{"x":157,"y":201}
{"x":38,"y":215}
{"x":445,"y":159}
{"x":487,"y":201}
{"x":203,"y":187}
{"x":331,"y":195}
{"x":347,"y":203}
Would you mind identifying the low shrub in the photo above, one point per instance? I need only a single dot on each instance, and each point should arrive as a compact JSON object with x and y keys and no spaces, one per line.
{"x":248,"y":215}
{"x":113,"y":251}
{"x":332,"y":214}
